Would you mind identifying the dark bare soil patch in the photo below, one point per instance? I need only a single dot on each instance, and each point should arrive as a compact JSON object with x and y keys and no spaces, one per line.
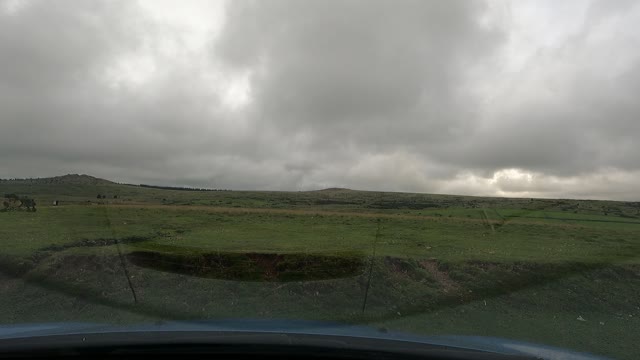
{"x":252,"y":266}
{"x":442,"y":277}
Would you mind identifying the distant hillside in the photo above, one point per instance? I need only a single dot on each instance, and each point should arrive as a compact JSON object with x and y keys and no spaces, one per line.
{"x":69,"y":179}
{"x":335,"y":189}
{"x":88,"y":190}
{"x":178,"y":188}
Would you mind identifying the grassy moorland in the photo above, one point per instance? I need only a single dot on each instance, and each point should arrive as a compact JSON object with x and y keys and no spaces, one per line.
{"x":559,"y":272}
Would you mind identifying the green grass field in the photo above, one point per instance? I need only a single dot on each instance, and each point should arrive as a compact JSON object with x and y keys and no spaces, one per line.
{"x":527,"y":269}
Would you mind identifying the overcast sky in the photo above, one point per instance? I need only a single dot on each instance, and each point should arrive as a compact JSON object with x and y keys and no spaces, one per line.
{"x":507,"y":98}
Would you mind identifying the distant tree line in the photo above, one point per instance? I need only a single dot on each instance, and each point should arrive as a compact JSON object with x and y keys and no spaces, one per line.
{"x":63,"y":179}
{"x":102,"y":196}
{"x":179,"y":188}
{"x":43,"y":180}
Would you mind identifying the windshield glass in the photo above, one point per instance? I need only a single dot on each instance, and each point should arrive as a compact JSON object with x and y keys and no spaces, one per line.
{"x":434,"y":168}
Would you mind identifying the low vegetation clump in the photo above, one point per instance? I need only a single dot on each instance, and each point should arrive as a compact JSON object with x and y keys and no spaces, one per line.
{"x":13,"y":202}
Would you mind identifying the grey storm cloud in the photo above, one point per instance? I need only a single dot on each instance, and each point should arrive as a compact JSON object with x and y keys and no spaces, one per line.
{"x":472,"y":97}
{"x":373,"y":73}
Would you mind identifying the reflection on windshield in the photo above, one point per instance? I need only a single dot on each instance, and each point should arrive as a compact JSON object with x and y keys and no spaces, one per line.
{"x":288,"y":160}
{"x":549,"y":271}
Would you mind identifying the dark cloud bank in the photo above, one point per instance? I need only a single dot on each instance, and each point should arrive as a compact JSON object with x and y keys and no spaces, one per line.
{"x":379,"y":95}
